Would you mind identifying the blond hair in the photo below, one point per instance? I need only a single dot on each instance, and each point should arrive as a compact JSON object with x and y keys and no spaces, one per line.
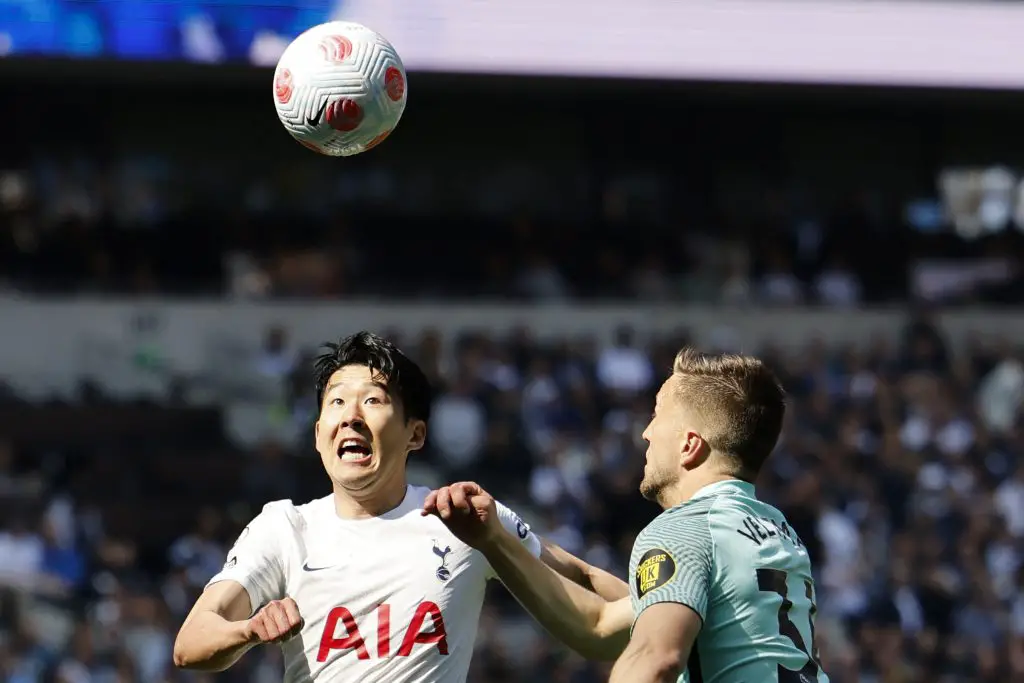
{"x":739,"y":401}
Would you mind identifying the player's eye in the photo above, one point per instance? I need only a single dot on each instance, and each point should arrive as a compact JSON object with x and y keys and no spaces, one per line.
{"x":336,"y":401}
{"x":374,"y":400}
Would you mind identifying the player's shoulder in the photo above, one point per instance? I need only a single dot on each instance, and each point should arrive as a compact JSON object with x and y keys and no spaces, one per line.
{"x":683,"y":525}
{"x":286,"y":513}
{"x":690,"y":513}
{"x":723,"y":500}
{"x":726,"y":507}
{"x":699,"y":518}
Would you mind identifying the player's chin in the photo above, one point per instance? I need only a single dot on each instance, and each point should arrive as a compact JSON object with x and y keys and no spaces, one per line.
{"x":649,"y":487}
{"x":354,"y":474}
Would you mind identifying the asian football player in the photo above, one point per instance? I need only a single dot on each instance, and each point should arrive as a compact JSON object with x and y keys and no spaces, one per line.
{"x":359,"y":587}
{"x":721,"y":586}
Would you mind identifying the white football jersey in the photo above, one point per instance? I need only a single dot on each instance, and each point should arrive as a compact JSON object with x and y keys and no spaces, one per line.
{"x":389,"y":599}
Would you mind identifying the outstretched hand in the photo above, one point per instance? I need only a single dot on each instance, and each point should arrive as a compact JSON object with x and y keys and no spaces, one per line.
{"x":467,"y":510}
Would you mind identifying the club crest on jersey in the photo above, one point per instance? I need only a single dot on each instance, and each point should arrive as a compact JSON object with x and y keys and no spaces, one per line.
{"x":522,"y":528}
{"x":442,"y":573}
{"x":654,"y":569}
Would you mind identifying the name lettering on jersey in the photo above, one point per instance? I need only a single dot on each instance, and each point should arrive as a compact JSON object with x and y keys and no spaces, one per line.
{"x":352,"y":638}
{"x":761,"y":529}
{"x":442,"y":573}
{"x":654,"y":569}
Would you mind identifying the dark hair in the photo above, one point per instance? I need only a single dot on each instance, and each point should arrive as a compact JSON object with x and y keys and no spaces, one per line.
{"x":404,"y":378}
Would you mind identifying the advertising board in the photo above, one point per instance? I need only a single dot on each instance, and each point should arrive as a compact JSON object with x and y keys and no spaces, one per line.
{"x":952,"y":43}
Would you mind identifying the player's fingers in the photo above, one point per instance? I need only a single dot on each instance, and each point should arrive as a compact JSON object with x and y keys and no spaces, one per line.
{"x":444,"y":502}
{"x":281,"y":623}
{"x":429,"y":503}
{"x":297,"y":629}
{"x":259,"y":628}
{"x":481,"y":501}
{"x":291,"y":612}
{"x":284,"y":620}
{"x":460,"y":503}
{"x":473,"y":488}
{"x":267,"y":625}
{"x":470,"y":487}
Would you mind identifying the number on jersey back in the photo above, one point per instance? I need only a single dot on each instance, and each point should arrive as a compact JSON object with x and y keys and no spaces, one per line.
{"x":737,"y":563}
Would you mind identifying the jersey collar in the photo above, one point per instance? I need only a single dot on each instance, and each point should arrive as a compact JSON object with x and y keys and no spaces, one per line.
{"x":408,"y":504}
{"x":733,"y":486}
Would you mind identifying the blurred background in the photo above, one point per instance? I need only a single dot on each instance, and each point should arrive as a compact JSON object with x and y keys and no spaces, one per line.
{"x":575,"y":191}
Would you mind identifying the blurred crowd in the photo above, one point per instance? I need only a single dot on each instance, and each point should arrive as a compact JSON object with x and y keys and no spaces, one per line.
{"x":901,"y":467}
{"x":144,"y":226}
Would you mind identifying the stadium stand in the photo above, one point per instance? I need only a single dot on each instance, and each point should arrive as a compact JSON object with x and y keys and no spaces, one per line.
{"x":163,"y":286}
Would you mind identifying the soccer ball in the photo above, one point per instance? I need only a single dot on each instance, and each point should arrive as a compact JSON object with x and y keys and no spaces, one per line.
{"x":339,"y":88}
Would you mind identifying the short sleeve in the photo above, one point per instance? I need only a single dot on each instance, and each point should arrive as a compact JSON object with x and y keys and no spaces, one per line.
{"x":515,"y":525}
{"x":256,"y":559}
{"x":672,"y":562}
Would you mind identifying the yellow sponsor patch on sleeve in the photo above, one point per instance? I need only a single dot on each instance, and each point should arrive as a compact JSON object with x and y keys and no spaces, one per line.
{"x":655,"y":568}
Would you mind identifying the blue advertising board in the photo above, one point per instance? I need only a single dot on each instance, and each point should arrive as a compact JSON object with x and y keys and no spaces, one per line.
{"x":931,"y":43}
{"x":192,"y":30}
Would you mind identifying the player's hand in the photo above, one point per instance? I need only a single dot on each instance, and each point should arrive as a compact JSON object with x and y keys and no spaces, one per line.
{"x":467,"y":510}
{"x":275,"y":622}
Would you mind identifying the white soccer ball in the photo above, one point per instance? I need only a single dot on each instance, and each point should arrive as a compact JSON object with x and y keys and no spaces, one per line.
{"x":340,"y":88}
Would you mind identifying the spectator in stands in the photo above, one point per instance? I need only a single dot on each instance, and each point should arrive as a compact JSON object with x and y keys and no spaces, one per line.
{"x":199,"y":553}
{"x":906,"y":498}
{"x":623,"y":367}
{"x":458,"y":428}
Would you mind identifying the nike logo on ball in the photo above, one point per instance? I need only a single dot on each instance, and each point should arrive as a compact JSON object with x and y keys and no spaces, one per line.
{"x":315,"y":120}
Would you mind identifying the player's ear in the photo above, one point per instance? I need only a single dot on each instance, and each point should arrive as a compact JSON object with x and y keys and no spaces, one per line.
{"x":316,"y":430}
{"x":418,"y":437}
{"x":693,"y":449}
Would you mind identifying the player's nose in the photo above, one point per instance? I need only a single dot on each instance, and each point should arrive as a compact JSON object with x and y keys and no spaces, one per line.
{"x":352,"y":416}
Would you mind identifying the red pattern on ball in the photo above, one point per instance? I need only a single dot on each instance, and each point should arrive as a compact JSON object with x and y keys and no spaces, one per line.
{"x":344,"y":115}
{"x":283,"y":86}
{"x":394,"y":83}
{"x":335,"y":48}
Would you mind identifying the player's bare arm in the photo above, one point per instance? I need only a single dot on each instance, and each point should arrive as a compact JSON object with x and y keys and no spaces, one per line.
{"x":581,"y":619}
{"x":605,"y":584}
{"x":662,"y":639}
{"x":218,"y":630}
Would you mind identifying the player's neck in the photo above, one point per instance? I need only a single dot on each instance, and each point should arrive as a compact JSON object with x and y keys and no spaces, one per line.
{"x":349,"y":506}
{"x":687,"y":488}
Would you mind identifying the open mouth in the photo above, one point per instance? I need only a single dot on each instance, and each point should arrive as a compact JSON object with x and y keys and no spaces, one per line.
{"x":355,"y":451}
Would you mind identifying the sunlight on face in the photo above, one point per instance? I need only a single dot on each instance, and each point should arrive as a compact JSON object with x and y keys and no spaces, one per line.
{"x":362,"y":435}
{"x":663,"y":437}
